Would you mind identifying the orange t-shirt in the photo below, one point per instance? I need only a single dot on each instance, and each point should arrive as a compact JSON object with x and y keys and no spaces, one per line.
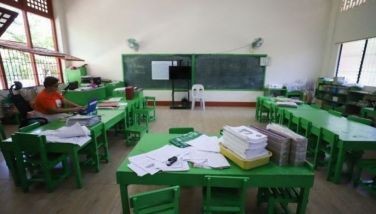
{"x":48,"y":100}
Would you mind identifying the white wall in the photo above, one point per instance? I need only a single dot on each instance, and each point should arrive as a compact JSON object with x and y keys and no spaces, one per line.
{"x":354,"y":24}
{"x":294,"y":33}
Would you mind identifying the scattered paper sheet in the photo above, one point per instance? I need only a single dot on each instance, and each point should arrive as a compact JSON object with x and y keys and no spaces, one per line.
{"x":205,"y":143}
{"x":115,"y":99}
{"x":75,"y":134}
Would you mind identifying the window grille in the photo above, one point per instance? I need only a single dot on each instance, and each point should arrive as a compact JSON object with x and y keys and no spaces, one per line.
{"x":348,"y":4}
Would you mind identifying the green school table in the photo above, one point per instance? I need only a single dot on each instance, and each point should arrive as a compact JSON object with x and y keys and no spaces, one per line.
{"x":83,"y":97}
{"x":7,"y":148}
{"x":353,"y":136}
{"x":108,"y":117}
{"x":269,"y":175}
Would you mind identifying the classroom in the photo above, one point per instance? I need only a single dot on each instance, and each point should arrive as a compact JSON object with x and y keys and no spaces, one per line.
{"x":172,"y":106}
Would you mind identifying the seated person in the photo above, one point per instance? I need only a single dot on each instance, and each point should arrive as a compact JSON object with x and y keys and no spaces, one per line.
{"x":50,"y":104}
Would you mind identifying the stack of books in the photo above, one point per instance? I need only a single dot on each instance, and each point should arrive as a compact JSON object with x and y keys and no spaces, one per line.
{"x":245,"y":142}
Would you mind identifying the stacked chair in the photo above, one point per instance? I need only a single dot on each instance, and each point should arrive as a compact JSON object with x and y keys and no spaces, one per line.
{"x":158,"y":201}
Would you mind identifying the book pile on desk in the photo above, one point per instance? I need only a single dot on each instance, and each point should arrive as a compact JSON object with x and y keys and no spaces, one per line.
{"x":245,"y":142}
{"x":298,"y":146}
{"x":278,"y":144}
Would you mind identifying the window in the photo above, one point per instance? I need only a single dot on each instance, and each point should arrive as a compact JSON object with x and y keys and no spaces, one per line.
{"x":348,"y":4}
{"x":357,"y":62}
{"x":33,"y":28}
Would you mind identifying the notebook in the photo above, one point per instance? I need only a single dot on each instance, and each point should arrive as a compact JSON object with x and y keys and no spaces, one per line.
{"x":91,"y":107}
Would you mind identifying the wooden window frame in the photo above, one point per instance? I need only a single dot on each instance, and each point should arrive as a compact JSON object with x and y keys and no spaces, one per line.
{"x":22,"y":5}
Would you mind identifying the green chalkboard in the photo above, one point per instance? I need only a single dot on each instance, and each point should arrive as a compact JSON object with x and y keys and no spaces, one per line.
{"x":138,"y":70}
{"x":229,"y":71}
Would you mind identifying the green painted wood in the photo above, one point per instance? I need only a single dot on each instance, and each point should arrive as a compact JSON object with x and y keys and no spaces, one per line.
{"x":352,"y":135}
{"x":164,"y":200}
{"x":83,"y":97}
{"x":269,"y":175}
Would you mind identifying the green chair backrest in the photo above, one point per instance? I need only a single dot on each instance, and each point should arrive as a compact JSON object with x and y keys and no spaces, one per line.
{"x":96,"y":130}
{"x":335,"y":113}
{"x":30,"y":144}
{"x":158,"y":201}
{"x":360,"y":120}
{"x":225,"y":183}
{"x":328,"y":136}
{"x":180,"y":130}
{"x":29,"y":127}
{"x":304,"y":125}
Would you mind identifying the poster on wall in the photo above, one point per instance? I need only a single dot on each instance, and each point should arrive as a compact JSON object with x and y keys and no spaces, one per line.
{"x":159,"y":69}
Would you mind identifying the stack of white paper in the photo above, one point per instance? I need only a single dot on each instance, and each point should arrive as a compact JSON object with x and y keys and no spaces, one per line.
{"x":75,"y":134}
{"x":245,"y":142}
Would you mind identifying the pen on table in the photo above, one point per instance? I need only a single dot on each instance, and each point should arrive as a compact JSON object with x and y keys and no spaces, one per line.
{"x":171,"y":160}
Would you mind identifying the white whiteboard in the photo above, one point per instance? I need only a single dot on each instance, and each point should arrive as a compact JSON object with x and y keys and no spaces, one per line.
{"x":159,"y":69}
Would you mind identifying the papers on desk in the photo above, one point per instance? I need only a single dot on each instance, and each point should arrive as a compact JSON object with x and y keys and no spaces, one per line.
{"x":287,"y":104}
{"x":75,"y":134}
{"x":107,"y":103}
{"x":201,"y":156}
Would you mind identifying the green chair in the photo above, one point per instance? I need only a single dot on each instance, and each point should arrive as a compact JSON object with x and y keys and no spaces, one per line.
{"x":326,"y":144}
{"x":304,"y":126}
{"x":97,"y":149}
{"x":34,"y":164}
{"x":225,"y":194}
{"x":335,"y":113}
{"x":140,"y":126}
{"x":360,"y":120}
{"x":286,"y":118}
{"x":258,"y":108}
{"x":267,"y":108}
{"x":150,"y":105}
{"x":158,"y":201}
{"x":274,"y":196}
{"x":29,"y":127}
{"x":368,"y":165}
{"x":180,"y":130}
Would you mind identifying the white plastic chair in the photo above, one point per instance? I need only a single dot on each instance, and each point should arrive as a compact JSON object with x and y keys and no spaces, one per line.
{"x":198,"y":95}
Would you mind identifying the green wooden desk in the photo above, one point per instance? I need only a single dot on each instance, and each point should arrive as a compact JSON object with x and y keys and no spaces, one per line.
{"x":353,"y":136}
{"x":269,"y":175}
{"x":8,"y":148}
{"x":83,"y":97}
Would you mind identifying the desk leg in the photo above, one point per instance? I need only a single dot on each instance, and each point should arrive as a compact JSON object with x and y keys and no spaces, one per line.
{"x":124,"y":198}
{"x":303,"y":200}
{"x":339,"y":164}
{"x":125,"y":130}
{"x":76,"y":167}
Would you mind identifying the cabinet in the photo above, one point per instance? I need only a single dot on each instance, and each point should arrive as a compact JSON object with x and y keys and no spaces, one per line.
{"x":348,"y":100}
